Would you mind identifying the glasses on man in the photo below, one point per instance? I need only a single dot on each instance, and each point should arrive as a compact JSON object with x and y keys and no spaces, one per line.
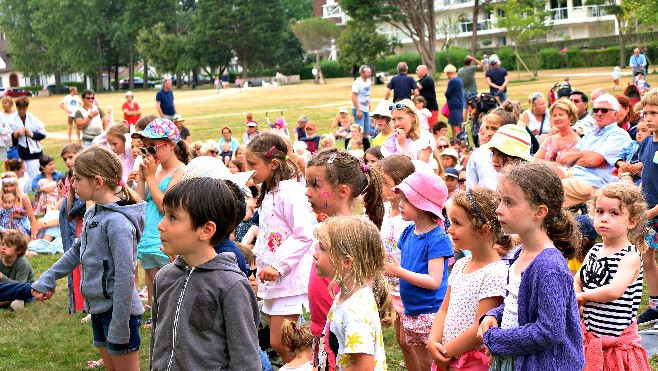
{"x":151,"y":149}
{"x":603,"y":110}
{"x":213,"y":152}
{"x":575,"y":100}
{"x":90,"y":98}
{"x":441,"y":146}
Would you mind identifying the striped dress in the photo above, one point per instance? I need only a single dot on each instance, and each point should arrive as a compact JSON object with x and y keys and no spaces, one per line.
{"x":611,"y":318}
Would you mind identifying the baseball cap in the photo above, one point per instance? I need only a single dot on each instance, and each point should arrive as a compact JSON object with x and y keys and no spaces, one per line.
{"x":342,"y":110}
{"x":383,"y":109}
{"x":159,"y":128}
{"x":493,"y":59}
{"x":451,"y":171}
{"x":252,"y":124}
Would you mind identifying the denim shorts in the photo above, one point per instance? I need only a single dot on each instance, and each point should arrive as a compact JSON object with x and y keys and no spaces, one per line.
{"x":150,"y":261}
{"x":364,"y":121}
{"x":100,"y":324}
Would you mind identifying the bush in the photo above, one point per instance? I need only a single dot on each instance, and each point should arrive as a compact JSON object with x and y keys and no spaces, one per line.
{"x":33,"y":88}
{"x":79,"y":85}
{"x":603,"y":57}
{"x":550,"y":59}
{"x":576,"y":58}
{"x":508,"y":58}
{"x":453,"y":55}
{"x":390,"y":64}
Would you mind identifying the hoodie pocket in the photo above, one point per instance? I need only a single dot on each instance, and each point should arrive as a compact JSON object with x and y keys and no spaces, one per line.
{"x":106,"y":272}
{"x":203,"y":313}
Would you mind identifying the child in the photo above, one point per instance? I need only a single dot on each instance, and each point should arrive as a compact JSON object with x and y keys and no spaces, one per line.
{"x":450,"y":158}
{"x":640,"y":81}
{"x":117,"y":140}
{"x":395,"y":168}
{"x":628,"y":161}
{"x":423,"y":267}
{"x":238,"y":83}
{"x":342,"y":123}
{"x":226,"y":153}
{"x":14,"y":266}
{"x":609,"y":284}
{"x":327,"y":141}
{"x":280,"y":128}
{"x":538,"y":325}
{"x":11,"y":217}
{"x":235,"y":167}
{"x":285,"y":236}
{"x":107,"y":250}
{"x":373,"y":155}
{"x":246,"y":223}
{"x":616,"y":74}
{"x":476,"y":284}
{"x":588,"y":236}
{"x":204,"y":312}
{"x":300,"y":149}
{"x":350,"y":251}
{"x":381,"y":118}
{"x":163,"y":164}
{"x":423,"y":113}
{"x":298,"y":340}
{"x":110,"y":117}
{"x":356,"y":148}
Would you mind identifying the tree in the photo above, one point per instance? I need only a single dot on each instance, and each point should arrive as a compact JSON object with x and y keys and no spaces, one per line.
{"x":415,"y":18}
{"x":315,"y":34}
{"x":362,"y":44}
{"x":477,"y":7}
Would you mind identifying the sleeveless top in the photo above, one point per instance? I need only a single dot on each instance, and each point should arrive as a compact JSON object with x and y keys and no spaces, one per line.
{"x":150,"y":242}
{"x":544,"y":127}
{"x":610,"y":318}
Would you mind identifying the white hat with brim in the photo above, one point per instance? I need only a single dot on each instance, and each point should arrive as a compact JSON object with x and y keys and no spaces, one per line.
{"x":512,"y":140}
{"x":213,"y":167}
{"x":383,"y":109}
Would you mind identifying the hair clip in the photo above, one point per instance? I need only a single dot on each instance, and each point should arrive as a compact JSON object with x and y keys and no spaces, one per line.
{"x":475,"y":206}
{"x":364,"y":168}
{"x":270,"y":152}
{"x":287,"y":158}
{"x":122,"y":183}
{"x":331,"y":159}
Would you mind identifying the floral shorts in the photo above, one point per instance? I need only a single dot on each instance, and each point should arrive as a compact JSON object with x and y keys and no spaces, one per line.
{"x":417,"y":328}
{"x":652,"y":233}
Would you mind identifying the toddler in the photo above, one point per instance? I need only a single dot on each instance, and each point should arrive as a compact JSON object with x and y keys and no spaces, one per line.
{"x":11,"y":217}
{"x":423,"y":113}
{"x":226,"y":153}
{"x":616,"y":74}
{"x":298,"y":341}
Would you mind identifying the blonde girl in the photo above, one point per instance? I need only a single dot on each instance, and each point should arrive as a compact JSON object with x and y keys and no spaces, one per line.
{"x":476,"y":284}
{"x":408,"y":139}
{"x":609,"y":283}
{"x":163,"y":164}
{"x":10,"y":185}
{"x":298,"y":340}
{"x":350,"y":251}
{"x":524,"y":333}
{"x":117,"y":140}
{"x":285,"y":236}
{"x":107,"y":251}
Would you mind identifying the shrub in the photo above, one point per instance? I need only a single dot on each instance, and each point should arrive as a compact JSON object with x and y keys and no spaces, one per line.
{"x":453,"y":55}
{"x":550,"y":59}
{"x":576,"y":58}
{"x":80,"y":85}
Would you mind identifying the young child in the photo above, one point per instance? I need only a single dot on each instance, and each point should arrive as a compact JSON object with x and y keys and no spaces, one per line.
{"x":423,"y":267}
{"x":107,"y":250}
{"x":616,"y":74}
{"x":381,"y":118}
{"x":14,"y":267}
{"x":349,"y":250}
{"x":242,"y":228}
{"x":423,"y":113}
{"x":640,"y":81}
{"x":609,"y":284}
{"x":204,"y":311}
{"x":226,"y":154}
{"x":373,"y":155}
{"x":395,"y":168}
{"x":298,"y":340}
{"x":285,"y":236}
{"x":476,"y":284}
{"x":628,"y":162}
{"x":117,"y":140}
{"x":356,"y":148}
{"x":538,"y":325}
{"x":588,"y":236}
{"x":11,"y":217}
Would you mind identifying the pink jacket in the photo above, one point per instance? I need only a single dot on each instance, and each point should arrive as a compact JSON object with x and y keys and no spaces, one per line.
{"x":285,"y":240}
{"x":615,"y":353}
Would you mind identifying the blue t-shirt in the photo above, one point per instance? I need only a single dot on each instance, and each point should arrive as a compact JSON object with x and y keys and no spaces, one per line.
{"x":497,"y":76}
{"x":402,"y":86}
{"x":166,"y":99}
{"x":648,"y":150}
{"x":417,"y":250}
{"x":226,"y":245}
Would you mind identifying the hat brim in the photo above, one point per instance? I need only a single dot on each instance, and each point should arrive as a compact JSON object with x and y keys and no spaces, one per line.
{"x":500,"y":143}
{"x":418,"y":200}
{"x":148,"y":135}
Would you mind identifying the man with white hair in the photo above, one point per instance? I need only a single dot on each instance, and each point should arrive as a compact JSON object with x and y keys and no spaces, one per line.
{"x":638,"y":61}
{"x":592,"y":161}
{"x":497,"y":79}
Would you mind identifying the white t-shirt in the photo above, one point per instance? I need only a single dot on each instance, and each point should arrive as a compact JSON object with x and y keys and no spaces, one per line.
{"x":480,"y":171}
{"x":72,"y":102}
{"x":362,"y":90}
{"x":390,"y":145}
{"x":511,"y":312}
{"x":391,"y":230}
{"x":466,"y":292}
{"x":355,"y":323}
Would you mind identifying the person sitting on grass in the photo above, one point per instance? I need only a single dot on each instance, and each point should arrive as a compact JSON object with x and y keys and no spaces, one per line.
{"x":11,"y":217}
{"x":14,"y":266}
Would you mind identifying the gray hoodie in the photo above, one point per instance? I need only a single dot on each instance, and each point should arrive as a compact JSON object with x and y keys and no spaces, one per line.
{"x":107,"y":251}
{"x":204,"y":318}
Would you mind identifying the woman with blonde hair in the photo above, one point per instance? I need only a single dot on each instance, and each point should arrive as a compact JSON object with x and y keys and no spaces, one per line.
{"x":536,"y":118}
{"x":564,"y":115}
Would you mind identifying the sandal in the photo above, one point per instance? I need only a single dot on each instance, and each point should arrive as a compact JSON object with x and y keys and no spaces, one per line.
{"x":95,"y":364}
{"x":86,"y":319}
{"x":148,"y":323}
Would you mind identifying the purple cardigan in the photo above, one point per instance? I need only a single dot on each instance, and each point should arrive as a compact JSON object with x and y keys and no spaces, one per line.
{"x":549,"y":335}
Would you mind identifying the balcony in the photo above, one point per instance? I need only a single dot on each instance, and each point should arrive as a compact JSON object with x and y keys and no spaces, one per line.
{"x":559,"y":14}
{"x":486,"y":24}
{"x":596,"y":11}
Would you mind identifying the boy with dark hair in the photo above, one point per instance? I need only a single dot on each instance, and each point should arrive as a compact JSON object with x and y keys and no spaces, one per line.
{"x":14,"y":267}
{"x":204,"y":311}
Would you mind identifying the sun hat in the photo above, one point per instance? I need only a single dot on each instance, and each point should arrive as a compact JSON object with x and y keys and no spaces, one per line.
{"x":382,"y":109}
{"x":451,"y":152}
{"x":450,"y":69}
{"x":586,"y":227}
{"x":178,"y":117}
{"x":451,"y":171}
{"x":426,"y":191}
{"x":493,"y":59}
{"x":213,"y":167}
{"x":252,"y":124}
{"x":342,"y":110}
{"x":280,"y":122}
{"x":512,"y":140}
{"x":159,"y":128}
{"x":406,"y":103}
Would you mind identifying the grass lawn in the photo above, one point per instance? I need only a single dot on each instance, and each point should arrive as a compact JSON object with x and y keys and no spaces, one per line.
{"x":44,"y":337}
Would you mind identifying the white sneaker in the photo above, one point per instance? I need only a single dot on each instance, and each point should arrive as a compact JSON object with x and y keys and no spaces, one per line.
{"x":17,"y":305}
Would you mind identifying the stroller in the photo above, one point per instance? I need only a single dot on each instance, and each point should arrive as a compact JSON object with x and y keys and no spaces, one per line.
{"x":279,"y":126}
{"x":559,"y":90}
{"x":478,"y":106}
{"x":632,"y":92}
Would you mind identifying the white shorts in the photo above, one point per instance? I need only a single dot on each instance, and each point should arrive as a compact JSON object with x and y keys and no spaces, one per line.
{"x":286,"y":305}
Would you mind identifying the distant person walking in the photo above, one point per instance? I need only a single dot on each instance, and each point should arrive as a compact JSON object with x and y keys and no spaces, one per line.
{"x":70,"y":104}
{"x":361,"y":99}
{"x":426,"y":89}
{"x":225,"y":81}
{"x":403,"y":85}
{"x":497,"y":79}
{"x":316,"y":74}
{"x":164,"y":101}
{"x":455,"y":99}
{"x":467,"y":74}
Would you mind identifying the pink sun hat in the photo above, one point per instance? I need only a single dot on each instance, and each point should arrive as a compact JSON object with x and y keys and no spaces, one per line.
{"x":426,"y":191}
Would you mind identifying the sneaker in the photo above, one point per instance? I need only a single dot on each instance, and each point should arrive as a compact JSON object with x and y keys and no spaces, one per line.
{"x":648,"y":316}
{"x":17,"y":305}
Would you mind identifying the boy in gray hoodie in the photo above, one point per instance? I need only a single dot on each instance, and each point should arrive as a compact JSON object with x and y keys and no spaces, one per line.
{"x":204,"y":311}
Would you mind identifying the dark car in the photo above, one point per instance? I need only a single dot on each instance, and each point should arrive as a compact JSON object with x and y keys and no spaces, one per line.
{"x":124,"y":84}
{"x":17,"y":92}
{"x":63,"y":89}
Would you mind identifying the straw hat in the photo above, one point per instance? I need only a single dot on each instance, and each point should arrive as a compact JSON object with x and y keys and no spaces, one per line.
{"x":512,"y":140}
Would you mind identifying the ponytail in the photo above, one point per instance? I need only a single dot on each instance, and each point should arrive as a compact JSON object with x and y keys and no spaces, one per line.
{"x":563,"y":231}
{"x":384,"y":301}
{"x":182,"y":152}
{"x":129,"y":195}
{"x":372,"y":195}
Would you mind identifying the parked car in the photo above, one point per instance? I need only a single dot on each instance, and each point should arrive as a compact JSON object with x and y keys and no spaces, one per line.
{"x":124,"y":84}
{"x":63,"y":89}
{"x":16,"y":92}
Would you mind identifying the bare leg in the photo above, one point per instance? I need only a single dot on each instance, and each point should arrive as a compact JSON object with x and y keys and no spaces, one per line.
{"x":128,"y":362}
{"x":456,"y":129}
{"x":424,"y":357}
{"x":275,"y":334}
{"x":70,"y":130}
{"x":408,"y":352}
{"x":650,"y":271}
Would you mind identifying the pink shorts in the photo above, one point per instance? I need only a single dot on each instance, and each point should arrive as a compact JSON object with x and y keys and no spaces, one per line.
{"x":397,"y":304}
{"x":417,"y":328}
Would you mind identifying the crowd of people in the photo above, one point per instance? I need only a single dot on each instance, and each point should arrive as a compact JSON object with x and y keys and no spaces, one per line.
{"x":527,"y":252}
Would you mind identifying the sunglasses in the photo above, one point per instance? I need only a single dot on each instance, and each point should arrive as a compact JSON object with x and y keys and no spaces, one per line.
{"x":251,"y":272}
{"x":213,"y":152}
{"x":90,"y":98}
{"x":535,"y":97}
{"x":441,"y":146}
{"x":151,"y":149}
{"x":308,"y":128}
{"x":461,"y":180}
{"x":397,"y":106}
{"x":604,"y":110}
{"x":575,"y":100}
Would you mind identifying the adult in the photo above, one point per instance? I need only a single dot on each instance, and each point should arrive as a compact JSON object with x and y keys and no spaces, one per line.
{"x":225,"y":81}
{"x":537,"y":119}
{"x":185,"y":135}
{"x":341,"y":124}
{"x":17,"y":166}
{"x":252,"y":131}
{"x":627,"y":119}
{"x":89,"y":118}
{"x":131,"y":110}
{"x":638,"y":62}
{"x":164,"y":101}
{"x":300,"y":129}
{"x":426,"y":90}
{"x":403,"y":85}
{"x":592,"y":162}
{"x":70,"y":104}
{"x":227,"y":136}
{"x":10,"y":185}
{"x":485,"y":63}
{"x":564,"y":115}
{"x":361,"y":99}
{"x":311,"y":139}
{"x":467,"y":74}
{"x":645,"y":52}
{"x":408,"y":139}
{"x":585,"y":122}
{"x":316,"y":75}
{"x":7,"y":150}
{"x":27,"y":133}
{"x":497,"y":79}
{"x":455,"y":99}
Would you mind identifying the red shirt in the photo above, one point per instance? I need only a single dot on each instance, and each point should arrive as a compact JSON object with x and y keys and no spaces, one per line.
{"x":132,"y":120}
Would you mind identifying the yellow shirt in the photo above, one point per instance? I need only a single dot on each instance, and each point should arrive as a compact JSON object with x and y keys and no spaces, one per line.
{"x":379,"y":139}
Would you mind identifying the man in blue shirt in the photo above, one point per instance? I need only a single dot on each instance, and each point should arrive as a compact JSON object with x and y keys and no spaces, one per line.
{"x":164,"y":101}
{"x":403,"y":85}
{"x":638,"y":61}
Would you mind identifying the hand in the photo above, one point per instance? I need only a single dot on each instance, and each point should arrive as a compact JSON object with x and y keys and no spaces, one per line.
{"x":535,"y":132}
{"x":359,"y":114}
{"x":581,"y":299}
{"x":635,"y":169}
{"x":438,"y":353}
{"x":268,"y":274}
{"x":401,"y":137}
{"x":133,"y":176}
{"x":487,"y":323}
{"x":623,"y":167}
{"x":148,"y":166}
{"x":391,"y":266}
{"x":42,"y":296}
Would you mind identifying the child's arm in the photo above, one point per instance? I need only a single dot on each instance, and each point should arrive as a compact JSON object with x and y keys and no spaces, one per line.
{"x":64,"y":266}
{"x":361,"y":362}
{"x":436,"y":333}
{"x":627,"y":272}
{"x":653,"y":212}
{"x":250,"y":236}
{"x":241,"y":316}
{"x":468,"y":339}
{"x":430,"y":281}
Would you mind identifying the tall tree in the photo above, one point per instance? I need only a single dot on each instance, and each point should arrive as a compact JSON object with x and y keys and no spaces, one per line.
{"x":315,"y":34}
{"x":362,"y":44}
{"x":415,"y":18}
